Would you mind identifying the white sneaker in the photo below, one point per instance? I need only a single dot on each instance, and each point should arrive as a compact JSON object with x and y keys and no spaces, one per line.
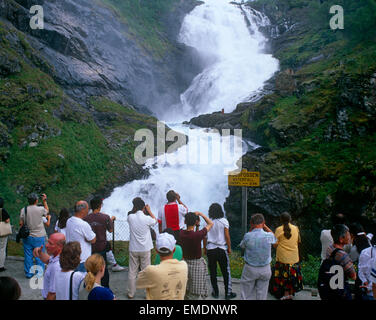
{"x":117,"y":268}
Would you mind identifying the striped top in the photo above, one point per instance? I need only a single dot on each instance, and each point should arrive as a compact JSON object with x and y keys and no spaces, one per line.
{"x":343,"y":259}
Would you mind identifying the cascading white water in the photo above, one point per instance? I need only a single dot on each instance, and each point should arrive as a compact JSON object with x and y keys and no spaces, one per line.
{"x":232,"y":53}
{"x":235,"y":67}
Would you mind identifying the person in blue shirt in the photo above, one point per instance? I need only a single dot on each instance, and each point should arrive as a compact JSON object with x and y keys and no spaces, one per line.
{"x":256,"y":273}
{"x":95,"y":267}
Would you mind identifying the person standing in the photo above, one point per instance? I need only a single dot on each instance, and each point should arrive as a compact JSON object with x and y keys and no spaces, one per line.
{"x":367,"y":259}
{"x":167,"y":280}
{"x":287,"y":278}
{"x":67,"y":280}
{"x":341,"y":237}
{"x":140,"y":220}
{"x":100,"y":223}
{"x":192,"y":253}
{"x":36,"y":238}
{"x":172,"y":214}
{"x":95,"y":266}
{"x":217,"y":247}
{"x":54,"y":247}
{"x":79,"y":230}
{"x":61,"y":223}
{"x":256,"y":274}
{"x":4,"y":217}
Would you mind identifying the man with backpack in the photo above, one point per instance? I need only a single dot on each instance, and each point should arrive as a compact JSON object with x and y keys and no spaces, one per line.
{"x":337,"y":264}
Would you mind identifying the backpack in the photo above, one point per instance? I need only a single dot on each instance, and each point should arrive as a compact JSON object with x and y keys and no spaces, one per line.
{"x":323,"y":286}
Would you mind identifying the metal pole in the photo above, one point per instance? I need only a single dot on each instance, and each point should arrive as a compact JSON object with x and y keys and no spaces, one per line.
{"x":113,"y":239}
{"x":244,"y":210}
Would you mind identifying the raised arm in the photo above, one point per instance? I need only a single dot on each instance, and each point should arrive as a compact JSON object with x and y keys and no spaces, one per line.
{"x":209,"y":223}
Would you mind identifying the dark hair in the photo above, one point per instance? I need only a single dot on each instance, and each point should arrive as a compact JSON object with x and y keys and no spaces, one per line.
{"x":96,"y":203}
{"x":1,"y":203}
{"x":70,"y":256}
{"x":169,"y":231}
{"x":215,"y":211}
{"x":285,"y":220}
{"x":63,"y":218}
{"x":138,"y":204}
{"x":190,"y":219}
{"x":338,"y":231}
{"x":9,"y":289}
{"x":32,"y":197}
{"x":338,"y":218}
{"x":171,"y":196}
{"x":257,"y":219}
{"x":360,"y":241}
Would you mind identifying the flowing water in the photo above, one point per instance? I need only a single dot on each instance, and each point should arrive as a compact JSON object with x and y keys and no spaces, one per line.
{"x":230,"y":45}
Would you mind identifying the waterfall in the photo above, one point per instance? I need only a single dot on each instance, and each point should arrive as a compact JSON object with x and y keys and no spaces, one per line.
{"x":230,"y":45}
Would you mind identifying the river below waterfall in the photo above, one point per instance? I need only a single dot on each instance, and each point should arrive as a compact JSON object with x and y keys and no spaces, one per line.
{"x":227,"y":38}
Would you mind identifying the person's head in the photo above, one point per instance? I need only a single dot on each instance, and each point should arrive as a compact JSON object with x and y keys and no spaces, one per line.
{"x":171,"y":196}
{"x":190,"y":219}
{"x":1,"y":203}
{"x":32,"y":198}
{"x":138,"y":204}
{"x":285,"y":220}
{"x":55,"y":244}
{"x":63,"y":217}
{"x":355,"y":228}
{"x":96,"y":203}
{"x":81,"y":209}
{"x":338,"y":218}
{"x":257,"y":221}
{"x":95,"y":266}
{"x":215,"y":211}
{"x":340,"y":234}
{"x":70,"y":256}
{"x":9,"y":289}
{"x":165,"y":245}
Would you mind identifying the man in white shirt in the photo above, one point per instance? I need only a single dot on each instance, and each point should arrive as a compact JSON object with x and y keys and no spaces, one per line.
{"x":373,"y":278}
{"x":79,"y":230}
{"x":140,"y":220}
{"x":54,"y":247}
{"x":172,"y":214}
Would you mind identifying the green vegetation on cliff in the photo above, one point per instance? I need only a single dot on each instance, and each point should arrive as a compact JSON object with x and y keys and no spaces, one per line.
{"x":49,"y":143}
{"x":320,"y":123}
{"x":144,"y":20}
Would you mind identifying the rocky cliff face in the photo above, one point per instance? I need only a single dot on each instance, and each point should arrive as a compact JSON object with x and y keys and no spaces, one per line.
{"x":93,"y":53}
{"x":315,"y":123}
{"x":69,"y":96}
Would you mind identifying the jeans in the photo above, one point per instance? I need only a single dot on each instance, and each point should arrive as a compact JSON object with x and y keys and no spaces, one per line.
{"x":29,"y":244}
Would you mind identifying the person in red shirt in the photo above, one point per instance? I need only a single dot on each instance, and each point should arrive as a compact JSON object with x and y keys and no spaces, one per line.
{"x":190,"y":241}
{"x":172,"y":214}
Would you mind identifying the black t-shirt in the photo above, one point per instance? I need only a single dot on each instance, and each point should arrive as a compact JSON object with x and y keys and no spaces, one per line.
{"x":5,"y":215}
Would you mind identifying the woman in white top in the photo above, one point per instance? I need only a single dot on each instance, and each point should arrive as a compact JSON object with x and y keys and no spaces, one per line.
{"x":217,"y":246}
{"x":367,"y":260}
{"x":61,"y":223}
{"x":68,"y":281}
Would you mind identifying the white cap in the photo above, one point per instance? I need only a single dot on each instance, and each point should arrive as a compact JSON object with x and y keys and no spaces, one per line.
{"x":166,"y":241}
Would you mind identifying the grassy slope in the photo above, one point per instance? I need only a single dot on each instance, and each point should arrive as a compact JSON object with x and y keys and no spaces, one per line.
{"x":144,"y":21}
{"x":343,"y":169}
{"x":75,"y":159}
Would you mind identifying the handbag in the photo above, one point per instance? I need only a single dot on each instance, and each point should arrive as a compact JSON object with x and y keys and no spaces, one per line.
{"x":5,"y":228}
{"x":24,"y":231}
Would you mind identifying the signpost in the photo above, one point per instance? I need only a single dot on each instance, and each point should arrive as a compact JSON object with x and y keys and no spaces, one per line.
{"x":244,"y":179}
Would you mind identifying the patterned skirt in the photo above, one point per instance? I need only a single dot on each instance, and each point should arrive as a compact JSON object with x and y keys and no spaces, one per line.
{"x":197,"y":283}
{"x":285,"y":277}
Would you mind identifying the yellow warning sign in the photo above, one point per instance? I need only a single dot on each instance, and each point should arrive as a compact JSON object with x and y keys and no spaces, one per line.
{"x":244,"y":179}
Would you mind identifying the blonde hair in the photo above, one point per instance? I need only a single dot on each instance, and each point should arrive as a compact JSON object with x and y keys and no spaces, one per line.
{"x":93,"y":265}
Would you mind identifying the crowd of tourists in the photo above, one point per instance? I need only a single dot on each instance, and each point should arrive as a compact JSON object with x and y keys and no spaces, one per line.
{"x":74,"y":259}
